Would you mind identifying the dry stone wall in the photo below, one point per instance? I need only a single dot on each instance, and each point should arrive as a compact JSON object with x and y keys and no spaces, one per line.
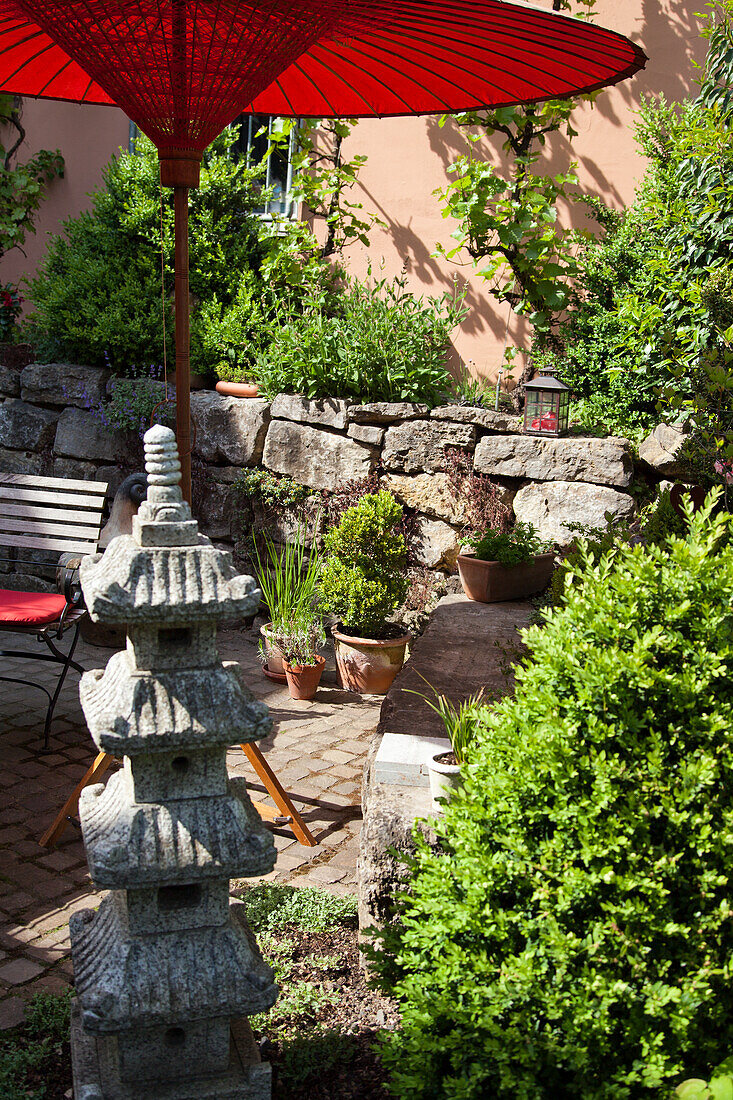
{"x":45,"y":429}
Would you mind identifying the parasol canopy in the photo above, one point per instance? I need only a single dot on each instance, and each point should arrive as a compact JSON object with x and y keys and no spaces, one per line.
{"x":183,"y":69}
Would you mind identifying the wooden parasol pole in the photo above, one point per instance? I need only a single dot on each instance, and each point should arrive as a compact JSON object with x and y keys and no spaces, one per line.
{"x":183,"y":358}
{"x":181,"y":169}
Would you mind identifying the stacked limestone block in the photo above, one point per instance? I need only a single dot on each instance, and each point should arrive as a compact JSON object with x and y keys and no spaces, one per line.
{"x":167,"y":968}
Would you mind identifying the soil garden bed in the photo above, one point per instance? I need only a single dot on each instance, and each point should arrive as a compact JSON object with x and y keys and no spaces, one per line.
{"x":319,"y":1037}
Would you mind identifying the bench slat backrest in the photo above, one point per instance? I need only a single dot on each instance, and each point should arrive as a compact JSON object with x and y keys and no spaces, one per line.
{"x":50,"y":513}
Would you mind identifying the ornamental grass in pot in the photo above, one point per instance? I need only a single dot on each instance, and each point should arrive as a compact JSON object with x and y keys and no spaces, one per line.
{"x":505,"y":565}
{"x":363,"y":581}
{"x":288,"y":579}
{"x":461,"y":723}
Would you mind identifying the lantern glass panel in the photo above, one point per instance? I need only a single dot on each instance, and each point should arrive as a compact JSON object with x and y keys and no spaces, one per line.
{"x":542,"y":412}
{"x":564,"y":412}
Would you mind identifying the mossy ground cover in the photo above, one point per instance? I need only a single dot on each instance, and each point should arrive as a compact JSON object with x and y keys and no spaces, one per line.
{"x":320,"y":1035}
{"x":35,"y":1057}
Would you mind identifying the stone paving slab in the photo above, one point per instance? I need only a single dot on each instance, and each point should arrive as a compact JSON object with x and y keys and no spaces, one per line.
{"x":317,"y":749}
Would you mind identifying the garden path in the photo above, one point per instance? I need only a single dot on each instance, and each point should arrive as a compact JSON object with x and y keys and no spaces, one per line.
{"x":317,"y":749}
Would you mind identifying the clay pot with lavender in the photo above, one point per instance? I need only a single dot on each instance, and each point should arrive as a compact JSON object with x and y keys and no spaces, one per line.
{"x":302,"y":662}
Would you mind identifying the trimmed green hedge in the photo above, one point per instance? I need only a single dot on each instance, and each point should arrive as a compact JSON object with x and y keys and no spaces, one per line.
{"x":573,"y":937}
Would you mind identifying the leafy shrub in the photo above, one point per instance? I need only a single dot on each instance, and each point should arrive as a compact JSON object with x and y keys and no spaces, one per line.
{"x":719,"y":1087}
{"x":509,"y":547}
{"x":378,"y":343}
{"x":657,"y":523}
{"x":589,"y":545}
{"x":272,"y":491}
{"x":99,"y":288}
{"x":233,"y":334}
{"x":571,"y":934}
{"x":363,"y":578}
{"x":661,"y":520}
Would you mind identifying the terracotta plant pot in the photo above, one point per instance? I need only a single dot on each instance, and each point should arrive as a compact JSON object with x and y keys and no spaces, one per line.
{"x":369,"y":665}
{"x":238,"y":389}
{"x":303,"y":680}
{"x":490,"y":582}
{"x":444,"y":777}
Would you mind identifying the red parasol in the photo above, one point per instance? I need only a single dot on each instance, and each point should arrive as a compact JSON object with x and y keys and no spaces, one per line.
{"x":183,"y":69}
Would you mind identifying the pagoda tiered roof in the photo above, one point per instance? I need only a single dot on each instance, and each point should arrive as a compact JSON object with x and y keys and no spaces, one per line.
{"x":131,"y":711}
{"x":125,"y":981}
{"x":172,"y":584}
{"x":182,"y":840}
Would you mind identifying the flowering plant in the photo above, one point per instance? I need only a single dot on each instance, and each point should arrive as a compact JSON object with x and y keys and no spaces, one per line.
{"x":300,"y":646}
{"x":11,"y":305}
{"x":133,"y":402}
{"x":725,"y":469}
{"x":299,"y":641}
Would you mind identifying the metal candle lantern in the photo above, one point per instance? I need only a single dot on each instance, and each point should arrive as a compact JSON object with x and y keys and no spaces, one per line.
{"x":547,"y":404}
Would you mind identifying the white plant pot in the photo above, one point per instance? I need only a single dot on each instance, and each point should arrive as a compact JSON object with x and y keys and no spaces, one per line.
{"x":444,"y":780}
{"x":274,"y":653}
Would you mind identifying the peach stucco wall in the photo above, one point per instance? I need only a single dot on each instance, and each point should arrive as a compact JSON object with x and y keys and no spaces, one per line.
{"x":87,"y":137}
{"x":407,"y":159}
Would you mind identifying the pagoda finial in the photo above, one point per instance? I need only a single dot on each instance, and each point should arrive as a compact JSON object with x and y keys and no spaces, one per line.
{"x":164,"y":504}
{"x":162,"y":464}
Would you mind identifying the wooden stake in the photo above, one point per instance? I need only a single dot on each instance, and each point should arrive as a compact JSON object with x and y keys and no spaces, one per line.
{"x":70,"y":808}
{"x":278,"y":794}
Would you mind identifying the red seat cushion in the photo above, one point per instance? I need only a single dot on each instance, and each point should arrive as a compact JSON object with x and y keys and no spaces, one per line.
{"x":30,"y":607}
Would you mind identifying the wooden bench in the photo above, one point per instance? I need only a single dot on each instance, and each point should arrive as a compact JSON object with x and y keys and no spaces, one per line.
{"x":63,"y":516}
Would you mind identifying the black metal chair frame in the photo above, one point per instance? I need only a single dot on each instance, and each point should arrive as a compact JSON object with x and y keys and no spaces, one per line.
{"x":49,"y":633}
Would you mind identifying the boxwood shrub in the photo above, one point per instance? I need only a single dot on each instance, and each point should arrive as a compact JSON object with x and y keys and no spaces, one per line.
{"x":572,"y":935}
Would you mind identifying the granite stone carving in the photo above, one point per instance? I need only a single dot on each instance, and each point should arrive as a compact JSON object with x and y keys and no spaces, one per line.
{"x":167,"y":969}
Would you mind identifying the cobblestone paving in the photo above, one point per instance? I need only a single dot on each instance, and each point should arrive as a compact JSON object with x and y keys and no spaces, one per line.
{"x":317,"y":750}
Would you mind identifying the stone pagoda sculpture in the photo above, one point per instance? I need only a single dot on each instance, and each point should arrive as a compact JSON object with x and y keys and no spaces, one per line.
{"x":167,"y":970}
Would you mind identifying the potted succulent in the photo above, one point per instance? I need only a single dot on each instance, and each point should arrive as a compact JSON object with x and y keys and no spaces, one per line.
{"x":288,"y":580}
{"x":461,"y":722}
{"x":301,"y":660}
{"x":505,"y":565}
{"x":363,"y":581}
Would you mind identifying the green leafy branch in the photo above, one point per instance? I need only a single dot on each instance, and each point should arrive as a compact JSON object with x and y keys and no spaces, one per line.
{"x":22,"y":186}
{"x":507,"y":218}
{"x":322,"y":179}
